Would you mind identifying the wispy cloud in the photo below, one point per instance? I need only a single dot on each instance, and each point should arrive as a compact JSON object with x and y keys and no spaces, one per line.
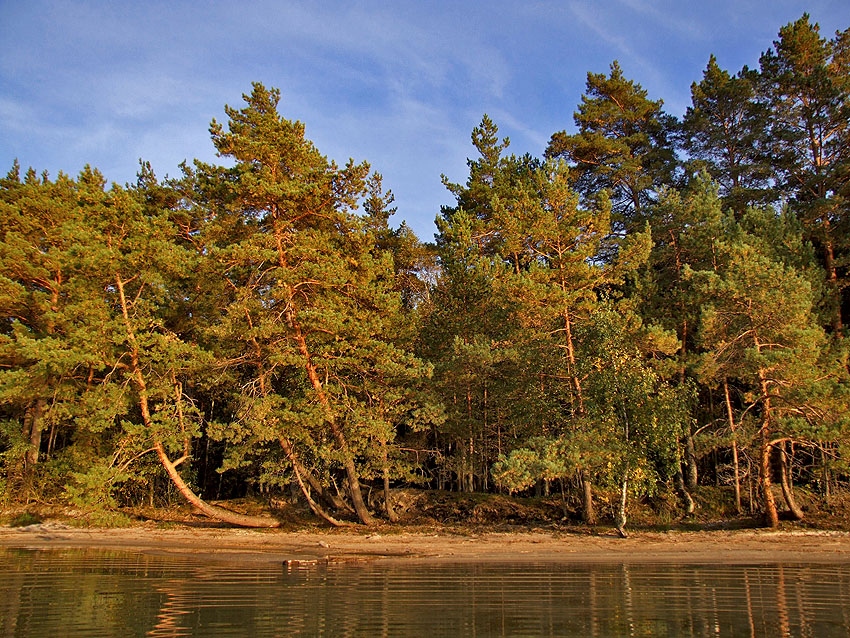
{"x":399,"y":84}
{"x":602,"y":26}
{"x":667,"y":17}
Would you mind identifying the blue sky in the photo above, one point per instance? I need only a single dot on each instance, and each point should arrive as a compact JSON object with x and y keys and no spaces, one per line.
{"x":400,"y":84}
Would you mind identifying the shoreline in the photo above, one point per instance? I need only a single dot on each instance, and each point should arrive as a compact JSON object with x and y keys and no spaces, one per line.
{"x":442,"y":546}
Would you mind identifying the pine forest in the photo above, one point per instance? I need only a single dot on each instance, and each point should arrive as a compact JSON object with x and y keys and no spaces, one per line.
{"x":652,"y":313}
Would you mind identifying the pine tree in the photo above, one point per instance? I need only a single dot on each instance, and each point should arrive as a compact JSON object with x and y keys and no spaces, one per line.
{"x":38,"y":373}
{"x":572,"y":260}
{"x":758,"y":328}
{"x":724,"y":130}
{"x":469,"y":335}
{"x":309,"y":314}
{"x":622,"y":145}
{"x":805,"y":83}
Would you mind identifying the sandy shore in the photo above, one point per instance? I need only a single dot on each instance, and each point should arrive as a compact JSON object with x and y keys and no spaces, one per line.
{"x":724,"y":547}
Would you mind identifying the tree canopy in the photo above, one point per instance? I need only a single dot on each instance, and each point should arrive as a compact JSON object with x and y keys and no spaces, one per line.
{"x":649,"y":306}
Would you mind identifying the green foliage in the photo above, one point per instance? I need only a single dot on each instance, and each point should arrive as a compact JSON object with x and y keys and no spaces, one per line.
{"x":581,"y":316}
{"x":93,"y":490}
{"x":622,"y":145}
{"x":723,"y":132}
{"x":24,"y":519}
{"x":638,"y":416}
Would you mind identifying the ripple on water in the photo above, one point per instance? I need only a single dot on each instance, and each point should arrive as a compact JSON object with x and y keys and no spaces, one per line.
{"x":105,"y":593}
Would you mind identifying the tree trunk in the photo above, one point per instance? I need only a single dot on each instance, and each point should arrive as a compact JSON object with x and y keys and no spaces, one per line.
{"x":692,"y":477}
{"x":690,"y":455}
{"x":771,"y":517}
{"x":571,"y":359}
{"x":33,"y":427}
{"x":620,"y":517}
{"x":305,"y":475}
{"x":218,"y":513}
{"x":317,"y":509}
{"x":138,"y":379}
{"x":686,"y":497}
{"x":354,"y":482}
{"x":786,"y":483}
{"x":832,"y":279}
{"x":735,"y":464}
{"x":352,"y":477}
{"x":388,"y":506}
{"x":588,"y":511}
{"x":825,"y":474}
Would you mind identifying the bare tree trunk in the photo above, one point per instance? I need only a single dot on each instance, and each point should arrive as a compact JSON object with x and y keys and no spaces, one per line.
{"x":786,"y":483}
{"x":692,"y":477}
{"x":218,"y":513}
{"x":825,"y":477}
{"x":305,"y":475}
{"x":588,"y":511}
{"x":736,"y":467}
{"x":33,"y":427}
{"x":686,"y":497}
{"x":620,"y":518}
{"x":388,"y":506}
{"x":771,"y":517}
{"x":317,"y":509}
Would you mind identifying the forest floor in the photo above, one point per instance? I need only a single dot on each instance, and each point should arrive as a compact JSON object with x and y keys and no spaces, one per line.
{"x":451,"y":527}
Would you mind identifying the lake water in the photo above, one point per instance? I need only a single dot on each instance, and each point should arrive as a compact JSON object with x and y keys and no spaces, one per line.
{"x":102,"y":593}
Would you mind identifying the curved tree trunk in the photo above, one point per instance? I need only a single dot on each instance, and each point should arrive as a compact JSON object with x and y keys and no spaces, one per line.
{"x":305,"y":475}
{"x":218,"y":513}
{"x":352,"y":476}
{"x":771,"y":517}
{"x":314,"y":506}
{"x":686,"y":497}
{"x":138,"y":379}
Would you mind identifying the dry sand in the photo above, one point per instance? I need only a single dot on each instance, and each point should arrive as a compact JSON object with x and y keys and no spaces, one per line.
{"x":717,"y":547}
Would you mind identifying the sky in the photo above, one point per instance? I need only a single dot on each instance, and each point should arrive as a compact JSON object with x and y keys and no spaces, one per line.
{"x":399,"y":84}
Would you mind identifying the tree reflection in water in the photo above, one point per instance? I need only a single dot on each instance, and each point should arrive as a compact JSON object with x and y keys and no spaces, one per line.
{"x":86,"y":593}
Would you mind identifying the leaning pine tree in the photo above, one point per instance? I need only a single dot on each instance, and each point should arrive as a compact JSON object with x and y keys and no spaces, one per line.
{"x":308,"y":313}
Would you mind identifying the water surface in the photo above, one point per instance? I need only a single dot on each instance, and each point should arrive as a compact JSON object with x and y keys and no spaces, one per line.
{"x":107,"y":593}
